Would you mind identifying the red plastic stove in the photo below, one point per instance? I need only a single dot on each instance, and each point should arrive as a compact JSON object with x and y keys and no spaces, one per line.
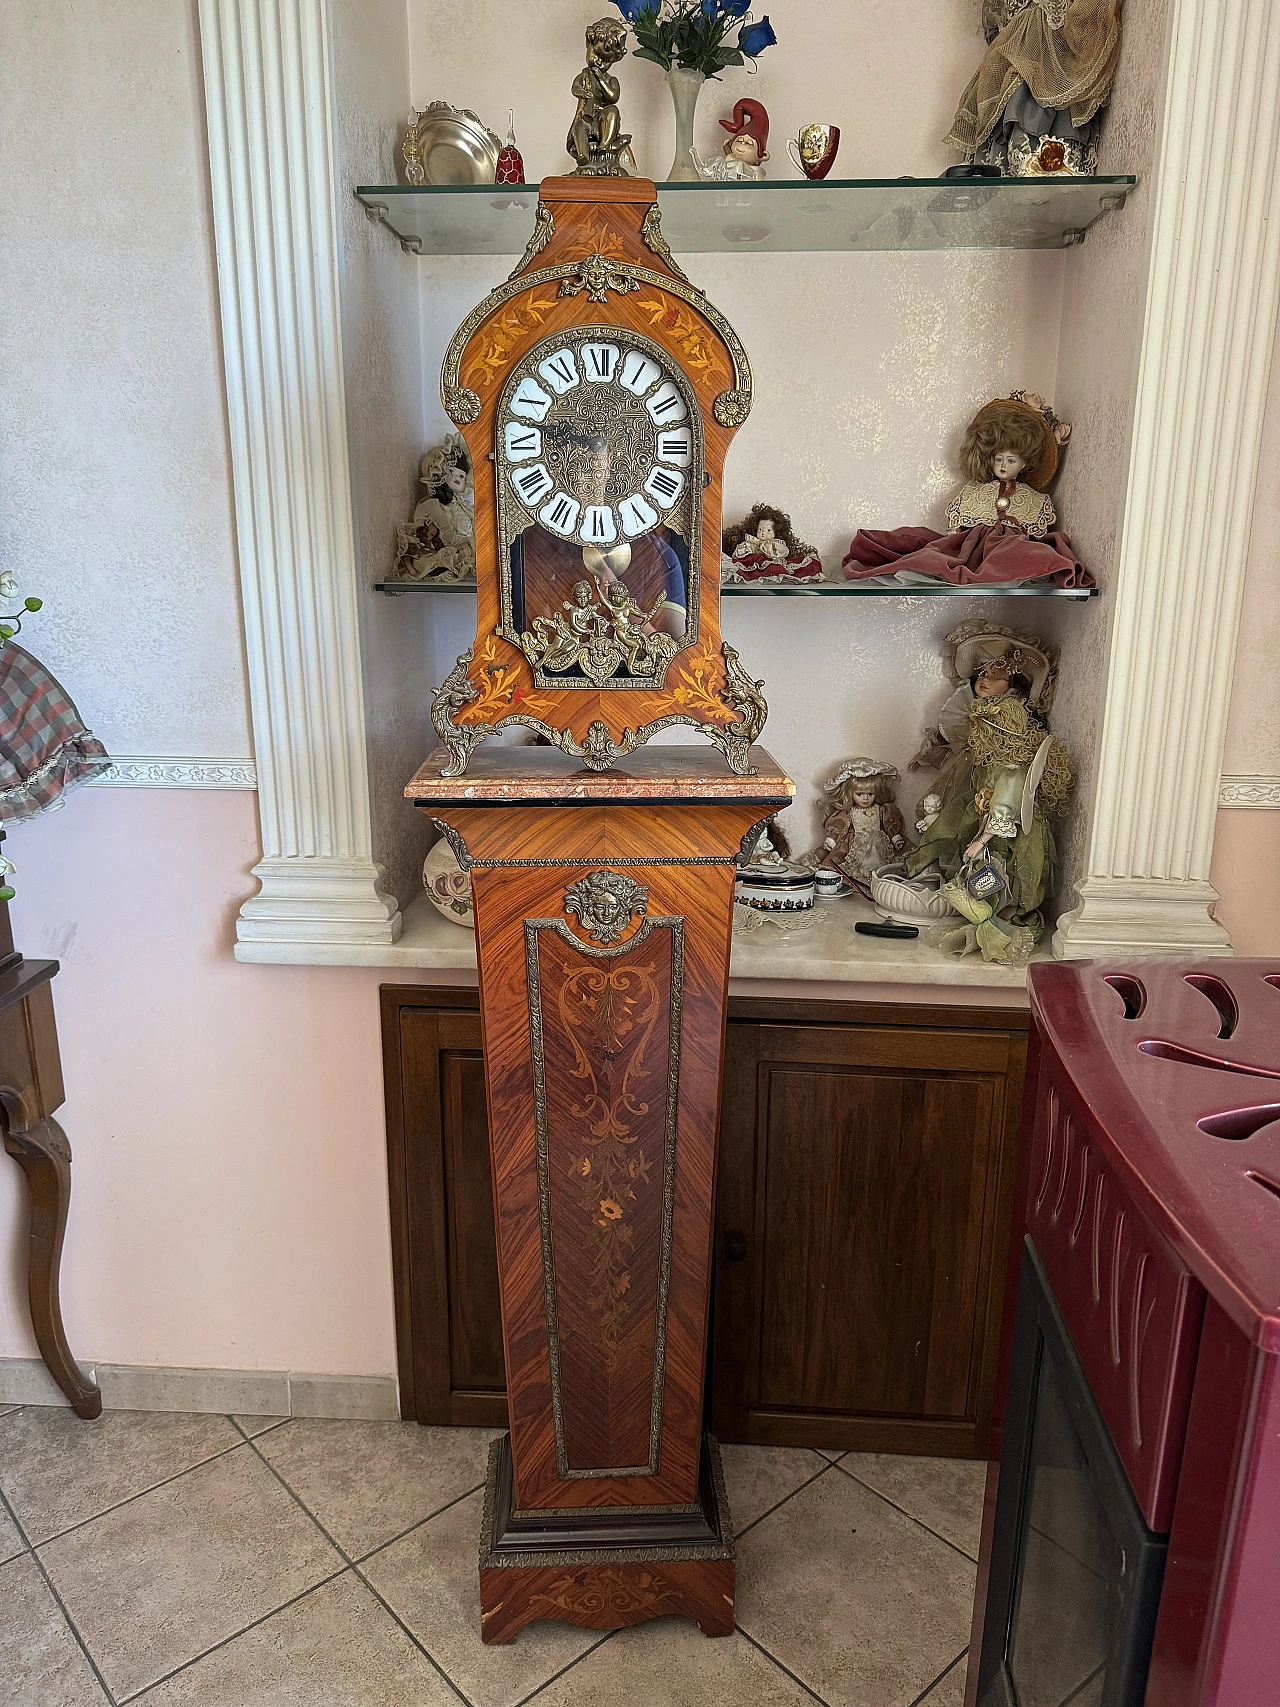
{"x":1150,"y":1195}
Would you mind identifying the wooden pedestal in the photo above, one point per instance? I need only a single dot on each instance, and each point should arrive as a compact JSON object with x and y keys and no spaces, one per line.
{"x":603,"y":923}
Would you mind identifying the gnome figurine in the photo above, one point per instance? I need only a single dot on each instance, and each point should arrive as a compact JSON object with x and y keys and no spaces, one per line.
{"x":746,"y":150}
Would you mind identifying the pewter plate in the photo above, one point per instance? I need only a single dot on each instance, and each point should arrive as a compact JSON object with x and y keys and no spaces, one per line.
{"x":457,"y":148}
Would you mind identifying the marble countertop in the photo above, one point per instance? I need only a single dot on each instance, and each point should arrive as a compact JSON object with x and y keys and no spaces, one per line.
{"x":828,"y":951}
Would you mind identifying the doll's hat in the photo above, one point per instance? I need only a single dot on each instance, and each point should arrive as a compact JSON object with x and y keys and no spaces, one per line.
{"x":1053,"y":433}
{"x":751,"y":117}
{"x":862,"y":770}
{"x":979,"y":651}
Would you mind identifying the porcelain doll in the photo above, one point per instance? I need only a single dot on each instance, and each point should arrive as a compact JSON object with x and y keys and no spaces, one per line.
{"x":1032,"y":108}
{"x":763,"y":548}
{"x":862,"y":826}
{"x":1002,"y":520}
{"x":440,"y":542}
{"x":1002,"y":778}
{"x":746,"y":150}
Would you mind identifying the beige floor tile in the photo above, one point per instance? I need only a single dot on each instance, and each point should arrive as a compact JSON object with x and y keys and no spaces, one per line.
{"x":831,"y":1452}
{"x":855,"y":1599}
{"x":10,"y":1541}
{"x":670,"y":1663}
{"x":156,"y":1582}
{"x":258,"y":1425}
{"x":949,"y":1691}
{"x":944,"y":1493}
{"x":336,"y":1647}
{"x":430,"y":1579}
{"x":41,"y":1664}
{"x":757,"y":1477}
{"x":367,"y":1482}
{"x":56,"y":1469}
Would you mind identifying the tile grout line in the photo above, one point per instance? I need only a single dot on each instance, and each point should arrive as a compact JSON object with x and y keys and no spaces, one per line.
{"x":360,"y":1576}
{"x":57,"y":1600}
{"x":817,"y":1475}
{"x":774,"y":1660}
{"x":235,"y":1636}
{"x":910,"y":1515}
{"x":120,"y":1504}
{"x":921,"y":1700}
{"x":556,"y":1676}
{"x":429,"y":1518}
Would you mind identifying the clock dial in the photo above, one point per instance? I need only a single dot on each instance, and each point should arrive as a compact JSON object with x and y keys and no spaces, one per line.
{"x":599,"y":454}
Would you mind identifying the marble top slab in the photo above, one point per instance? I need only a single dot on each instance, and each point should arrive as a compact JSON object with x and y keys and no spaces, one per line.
{"x":680,"y":774}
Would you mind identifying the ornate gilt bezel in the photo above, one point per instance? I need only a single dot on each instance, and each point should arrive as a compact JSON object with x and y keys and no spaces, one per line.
{"x":462,"y":405}
{"x":514,"y":517}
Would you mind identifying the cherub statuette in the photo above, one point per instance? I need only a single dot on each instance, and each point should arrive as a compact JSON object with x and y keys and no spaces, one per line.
{"x":596,"y":140}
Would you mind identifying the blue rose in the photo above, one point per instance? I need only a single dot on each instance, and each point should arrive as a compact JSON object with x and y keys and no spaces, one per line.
{"x":734,"y":8}
{"x":754,"y":38}
{"x":711,"y":7}
{"x":631,"y":9}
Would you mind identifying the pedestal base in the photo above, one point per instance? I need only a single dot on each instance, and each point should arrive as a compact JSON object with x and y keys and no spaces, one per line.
{"x":605,"y":1586}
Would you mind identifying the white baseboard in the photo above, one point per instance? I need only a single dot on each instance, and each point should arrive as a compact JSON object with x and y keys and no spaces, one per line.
{"x":233,"y":1392}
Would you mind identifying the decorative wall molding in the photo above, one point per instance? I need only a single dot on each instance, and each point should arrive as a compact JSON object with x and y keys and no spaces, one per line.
{"x":1252,"y":791}
{"x":1205,"y":355}
{"x":163,"y":771}
{"x":269,"y":100}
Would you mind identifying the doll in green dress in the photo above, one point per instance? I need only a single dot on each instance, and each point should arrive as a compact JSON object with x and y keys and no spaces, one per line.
{"x":1003,"y":779}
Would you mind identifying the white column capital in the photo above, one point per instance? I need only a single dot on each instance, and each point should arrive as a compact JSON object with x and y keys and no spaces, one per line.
{"x":268,"y":90}
{"x":1205,"y":355}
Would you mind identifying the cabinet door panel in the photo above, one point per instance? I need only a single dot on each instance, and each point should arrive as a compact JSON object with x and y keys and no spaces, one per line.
{"x":475,"y":1327}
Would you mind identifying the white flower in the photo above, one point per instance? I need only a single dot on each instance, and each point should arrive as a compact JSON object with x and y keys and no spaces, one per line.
{"x":8,"y":586}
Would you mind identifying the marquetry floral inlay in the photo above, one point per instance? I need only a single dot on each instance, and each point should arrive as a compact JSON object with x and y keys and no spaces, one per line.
{"x":492,"y":351}
{"x":609,"y":1016}
{"x":683,"y":328}
{"x":503,"y":688}
{"x":701,"y":677}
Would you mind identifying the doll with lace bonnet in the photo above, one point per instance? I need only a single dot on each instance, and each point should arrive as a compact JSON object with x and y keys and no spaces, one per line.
{"x":862,"y":824}
{"x":1002,"y":521}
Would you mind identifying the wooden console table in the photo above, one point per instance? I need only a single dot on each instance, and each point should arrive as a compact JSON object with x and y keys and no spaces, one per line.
{"x":30,"y":1091}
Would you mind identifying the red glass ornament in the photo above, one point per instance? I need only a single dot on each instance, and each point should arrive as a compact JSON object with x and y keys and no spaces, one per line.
{"x":510,"y":160}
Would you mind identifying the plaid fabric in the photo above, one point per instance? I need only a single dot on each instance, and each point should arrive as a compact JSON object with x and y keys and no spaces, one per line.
{"x":44,"y":747}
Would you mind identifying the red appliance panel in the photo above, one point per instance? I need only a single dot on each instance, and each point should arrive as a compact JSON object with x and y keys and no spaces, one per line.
{"x":1132,"y":1309}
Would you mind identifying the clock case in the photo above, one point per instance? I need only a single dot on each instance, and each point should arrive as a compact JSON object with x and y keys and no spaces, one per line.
{"x":597,"y":259}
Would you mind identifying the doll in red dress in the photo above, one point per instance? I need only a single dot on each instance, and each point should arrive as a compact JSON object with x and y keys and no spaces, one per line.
{"x":1003,"y":523}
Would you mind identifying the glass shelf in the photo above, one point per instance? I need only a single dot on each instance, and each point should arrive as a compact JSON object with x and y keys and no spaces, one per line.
{"x":786,"y":215}
{"x":829,"y":589}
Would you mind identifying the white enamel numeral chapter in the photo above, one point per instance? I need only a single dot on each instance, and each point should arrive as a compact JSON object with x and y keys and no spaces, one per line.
{"x":676,"y":447}
{"x":532,"y":483}
{"x":560,"y":514}
{"x":598,"y":525}
{"x":637,"y":516}
{"x":666,"y":405}
{"x":638,"y":373}
{"x":560,"y":372}
{"x":522,"y":442}
{"x":599,"y":362}
{"x":664,"y":486}
{"x":530,"y":401}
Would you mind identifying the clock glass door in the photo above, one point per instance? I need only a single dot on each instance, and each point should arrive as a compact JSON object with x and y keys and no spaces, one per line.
{"x":599,"y":457}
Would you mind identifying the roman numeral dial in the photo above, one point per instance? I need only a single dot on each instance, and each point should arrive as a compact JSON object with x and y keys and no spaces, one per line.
{"x":599,"y":442}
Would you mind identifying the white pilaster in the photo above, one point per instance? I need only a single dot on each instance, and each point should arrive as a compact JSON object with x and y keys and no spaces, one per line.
{"x":271,"y":144}
{"x":1205,"y":355}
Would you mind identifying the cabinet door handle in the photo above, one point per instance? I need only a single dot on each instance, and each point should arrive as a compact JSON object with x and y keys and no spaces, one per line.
{"x":735,"y":1247}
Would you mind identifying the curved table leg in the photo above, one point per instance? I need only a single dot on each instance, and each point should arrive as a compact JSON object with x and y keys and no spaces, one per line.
{"x":44,"y":1155}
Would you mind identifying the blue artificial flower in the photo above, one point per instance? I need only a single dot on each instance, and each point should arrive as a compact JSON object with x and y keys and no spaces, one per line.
{"x":754,"y":38}
{"x":630,"y":9}
{"x":734,"y":8}
{"x":711,"y":7}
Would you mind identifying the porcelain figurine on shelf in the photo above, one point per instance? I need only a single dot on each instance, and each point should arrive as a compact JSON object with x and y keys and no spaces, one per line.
{"x":1032,"y":108}
{"x":763,"y":548}
{"x":439,"y":544}
{"x":747,"y":149}
{"x":1002,"y":521}
{"x":863,"y":828}
{"x":1002,"y":778}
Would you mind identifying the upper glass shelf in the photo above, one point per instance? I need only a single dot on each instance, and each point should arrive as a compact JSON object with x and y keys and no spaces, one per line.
{"x":838,"y":589}
{"x":778,"y":216}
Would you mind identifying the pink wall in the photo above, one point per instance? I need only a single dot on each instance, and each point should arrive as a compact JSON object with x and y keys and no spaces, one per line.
{"x":230,"y":1199}
{"x":1246,"y":874}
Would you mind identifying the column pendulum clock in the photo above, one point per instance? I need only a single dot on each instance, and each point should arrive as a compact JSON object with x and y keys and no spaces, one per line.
{"x":598,"y":391}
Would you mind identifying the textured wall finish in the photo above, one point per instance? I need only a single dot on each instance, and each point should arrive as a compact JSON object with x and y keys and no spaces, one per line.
{"x":114,"y":499}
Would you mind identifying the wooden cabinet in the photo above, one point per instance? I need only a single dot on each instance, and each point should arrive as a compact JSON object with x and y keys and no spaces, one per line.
{"x":866,"y":1166}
